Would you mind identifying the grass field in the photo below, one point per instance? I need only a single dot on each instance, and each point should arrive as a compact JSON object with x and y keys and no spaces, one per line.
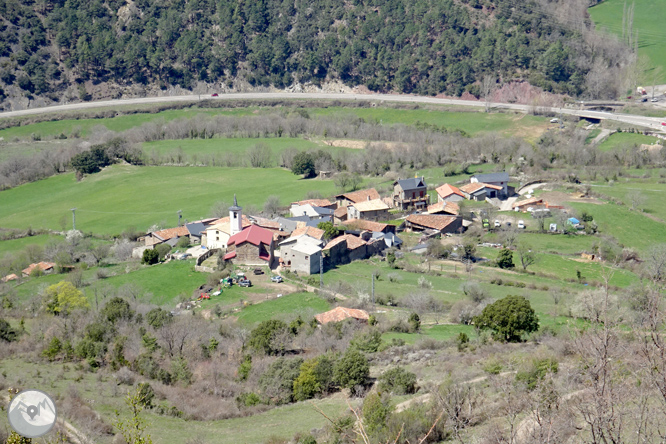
{"x":472,"y":122}
{"x":651,"y":194}
{"x":287,"y":307}
{"x":122,"y":196}
{"x":619,"y":141}
{"x":12,"y":246}
{"x":649,"y":18}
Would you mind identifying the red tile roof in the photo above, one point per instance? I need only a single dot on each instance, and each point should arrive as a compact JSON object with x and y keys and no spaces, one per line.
{"x":225,"y":220}
{"x":170,"y":233}
{"x":253,"y":234}
{"x":9,"y":277}
{"x":435,"y":222}
{"x":476,"y":186}
{"x":447,"y":190}
{"x":360,"y":224}
{"x":42,"y":265}
{"x":532,"y":201}
{"x":340,"y":314}
{"x":360,"y":195}
{"x":229,"y":255}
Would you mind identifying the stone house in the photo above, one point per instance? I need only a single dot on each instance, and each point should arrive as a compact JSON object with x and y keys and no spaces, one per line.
{"x":322,"y":203}
{"x":374,"y":210}
{"x":346,"y":199}
{"x":302,"y":254}
{"x":444,"y":207}
{"x":166,"y":235}
{"x":440,"y":224}
{"x":410,"y":193}
{"x":480,"y":191}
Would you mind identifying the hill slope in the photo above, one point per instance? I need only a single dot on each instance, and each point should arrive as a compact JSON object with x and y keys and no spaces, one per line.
{"x":58,"y":48}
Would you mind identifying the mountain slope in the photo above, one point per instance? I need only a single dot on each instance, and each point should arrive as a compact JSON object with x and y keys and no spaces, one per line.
{"x":422,"y":46}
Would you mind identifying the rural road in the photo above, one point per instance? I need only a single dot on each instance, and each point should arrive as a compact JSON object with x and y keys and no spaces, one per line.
{"x":653,"y":123}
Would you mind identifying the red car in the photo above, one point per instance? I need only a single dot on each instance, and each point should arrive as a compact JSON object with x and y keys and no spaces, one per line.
{"x":663,"y":123}
{"x":214,"y":95}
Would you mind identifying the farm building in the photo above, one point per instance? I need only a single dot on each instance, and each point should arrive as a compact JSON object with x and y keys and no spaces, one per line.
{"x":480,"y":191}
{"x":169,"y":235}
{"x":9,"y":277}
{"x":373,"y":210}
{"x":221,"y":230}
{"x":444,"y":207}
{"x":252,"y":246}
{"x":531,"y":202}
{"x":497,"y":179}
{"x":45,"y":267}
{"x":449,"y":193}
{"x":346,"y":199}
{"x":390,"y":239}
{"x":339,"y":314}
{"x":410,"y":193}
{"x":340,"y":215}
{"x":345,"y":249}
{"x":441,"y":224}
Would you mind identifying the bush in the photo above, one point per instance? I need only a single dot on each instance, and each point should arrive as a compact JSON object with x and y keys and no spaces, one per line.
{"x":248,"y":400}
{"x":509,"y":318}
{"x":376,"y":411}
{"x":146,"y":394}
{"x":537,"y":371}
{"x":264,"y":337}
{"x":414,"y":323}
{"x":157,"y":317}
{"x":303,"y":163}
{"x":162,"y":250}
{"x":368,"y":342}
{"x":505,"y":258}
{"x":117,"y":309}
{"x":277,"y":382}
{"x":150,"y":257}
{"x":493,"y":367}
{"x":352,"y":369}
{"x":245,"y":368}
{"x":398,"y":381}
{"x":183,"y":242}
{"x":7,"y":333}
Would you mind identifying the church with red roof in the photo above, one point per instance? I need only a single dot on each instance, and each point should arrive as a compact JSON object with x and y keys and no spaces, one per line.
{"x":252,"y":245}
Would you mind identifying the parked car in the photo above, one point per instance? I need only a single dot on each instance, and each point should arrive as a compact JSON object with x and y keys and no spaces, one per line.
{"x":486,"y":224}
{"x":663,"y":123}
{"x":654,"y":100}
{"x":497,"y":224}
{"x":521,"y":224}
{"x":258,"y":271}
{"x":245,"y":283}
{"x":214,"y":95}
{"x":554,"y":121}
{"x":276,"y":279}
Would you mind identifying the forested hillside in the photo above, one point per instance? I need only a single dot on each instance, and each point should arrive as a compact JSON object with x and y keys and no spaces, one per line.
{"x":409,"y":46}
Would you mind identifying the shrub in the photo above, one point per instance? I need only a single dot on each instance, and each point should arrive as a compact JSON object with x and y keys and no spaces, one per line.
{"x":7,"y":333}
{"x":52,"y":350}
{"x":352,"y":369}
{"x":162,"y":250}
{"x":146,"y":394}
{"x":248,"y":400}
{"x":462,"y":340}
{"x":307,"y":385}
{"x":505,"y":258}
{"x":150,"y":257}
{"x":414,"y":322}
{"x":63,"y":297}
{"x":493,"y":367}
{"x":509,"y":318}
{"x":368,"y":342}
{"x":263,"y":337}
{"x":537,"y":371}
{"x":277,"y":382}
{"x":424,"y":283}
{"x":157,"y":317}
{"x":376,"y":411}
{"x":398,"y":381}
{"x":117,"y":309}
{"x":183,"y":242}
{"x":245,"y":368}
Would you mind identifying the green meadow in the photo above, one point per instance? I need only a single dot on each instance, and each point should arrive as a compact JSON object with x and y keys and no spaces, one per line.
{"x":12,"y":246}
{"x":649,"y":18}
{"x":619,"y":141}
{"x":286,"y":307}
{"x":122,"y":196}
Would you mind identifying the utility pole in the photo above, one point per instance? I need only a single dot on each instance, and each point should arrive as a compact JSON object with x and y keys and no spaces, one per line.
{"x":73,"y":218}
{"x":321,"y":270}
{"x":373,"y":290}
{"x":180,"y":216}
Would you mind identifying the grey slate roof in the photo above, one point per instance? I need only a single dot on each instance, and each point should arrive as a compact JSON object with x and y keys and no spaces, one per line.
{"x":195,"y":228}
{"x":323,"y":211}
{"x":389,"y":238}
{"x":411,"y":184}
{"x":492,"y":177}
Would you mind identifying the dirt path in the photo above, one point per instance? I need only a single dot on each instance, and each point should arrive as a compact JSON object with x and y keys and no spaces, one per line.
{"x":602,"y":136}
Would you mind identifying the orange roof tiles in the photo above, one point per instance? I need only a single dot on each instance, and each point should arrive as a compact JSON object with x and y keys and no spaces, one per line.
{"x":444,"y":207}
{"x":170,"y":233}
{"x":531,"y":201}
{"x":435,"y":222}
{"x":447,"y":190}
{"x":360,"y":195}
{"x":476,"y":186}
{"x":225,"y":220}
{"x":340,"y":314}
{"x":360,"y":224}
{"x":9,"y":277}
{"x":340,"y":212}
{"x":370,"y":205}
{"x":43,"y":265}
{"x":315,"y":232}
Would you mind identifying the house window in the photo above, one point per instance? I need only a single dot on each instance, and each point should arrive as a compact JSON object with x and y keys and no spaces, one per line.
{"x":235,"y":216}
{"x":422,"y":193}
{"x":217,"y":238}
{"x":413,"y":194}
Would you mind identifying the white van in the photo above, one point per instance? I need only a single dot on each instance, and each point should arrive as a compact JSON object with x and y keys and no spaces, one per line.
{"x":521,"y":224}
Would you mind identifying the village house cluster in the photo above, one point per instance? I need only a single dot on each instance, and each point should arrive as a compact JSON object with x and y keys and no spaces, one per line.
{"x":298,"y":244}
